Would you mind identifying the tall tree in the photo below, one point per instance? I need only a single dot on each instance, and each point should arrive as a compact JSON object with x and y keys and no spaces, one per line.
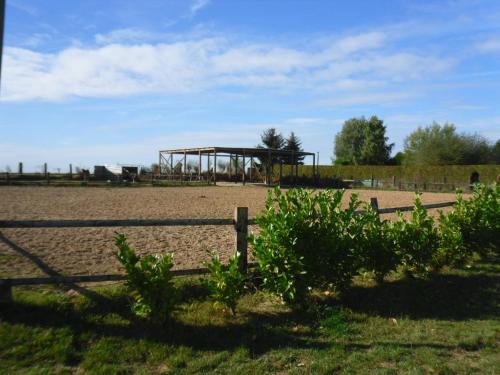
{"x":274,"y":140}
{"x":439,"y":145}
{"x":293,"y":143}
{"x":362,"y":141}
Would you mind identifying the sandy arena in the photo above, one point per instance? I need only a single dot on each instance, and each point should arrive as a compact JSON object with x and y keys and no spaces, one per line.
{"x":83,"y":251}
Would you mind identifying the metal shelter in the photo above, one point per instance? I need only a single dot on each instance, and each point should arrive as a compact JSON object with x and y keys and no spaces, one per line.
{"x":173,"y":168}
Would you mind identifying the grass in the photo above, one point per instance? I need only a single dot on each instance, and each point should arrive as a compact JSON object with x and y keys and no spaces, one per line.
{"x":445,"y":324}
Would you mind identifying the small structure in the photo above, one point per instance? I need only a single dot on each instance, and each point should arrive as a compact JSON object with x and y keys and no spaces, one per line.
{"x":116,"y":172}
{"x":242,"y":163}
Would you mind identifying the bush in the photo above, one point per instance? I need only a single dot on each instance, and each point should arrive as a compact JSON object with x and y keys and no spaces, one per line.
{"x":415,"y":240}
{"x":149,"y":279}
{"x":306,"y":240}
{"x":377,"y":246}
{"x":226,"y":283}
{"x":478,"y":219}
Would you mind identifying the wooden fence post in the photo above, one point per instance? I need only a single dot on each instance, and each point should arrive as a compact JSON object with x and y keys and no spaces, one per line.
{"x":374,"y":204}
{"x":241,"y":226}
{"x":5,"y":293}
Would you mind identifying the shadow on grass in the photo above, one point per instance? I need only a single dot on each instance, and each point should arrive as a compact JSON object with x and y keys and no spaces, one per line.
{"x":441,"y":296}
{"x":257,"y":332}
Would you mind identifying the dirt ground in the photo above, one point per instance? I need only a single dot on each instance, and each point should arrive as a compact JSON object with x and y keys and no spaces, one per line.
{"x":82,"y":251}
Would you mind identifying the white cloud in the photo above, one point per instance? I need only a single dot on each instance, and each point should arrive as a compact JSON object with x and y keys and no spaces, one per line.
{"x":120,"y":69}
{"x":123,"y":35}
{"x":198,"y":5}
{"x":490,"y":45}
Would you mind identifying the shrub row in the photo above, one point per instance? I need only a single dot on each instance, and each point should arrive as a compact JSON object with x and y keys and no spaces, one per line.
{"x":307,"y":240}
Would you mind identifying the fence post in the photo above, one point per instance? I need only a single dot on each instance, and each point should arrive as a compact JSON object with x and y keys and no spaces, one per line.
{"x":374,"y":204}
{"x":5,"y":293}
{"x":241,"y":226}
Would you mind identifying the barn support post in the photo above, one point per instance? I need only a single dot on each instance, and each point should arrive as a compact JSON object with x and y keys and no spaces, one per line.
{"x":251,"y":168}
{"x":314,"y":170}
{"x":71,"y":171}
{"x":20,"y":168}
{"x":199,"y":165}
{"x":215,"y":167}
{"x":185,"y":164}
{"x":269,"y":163}
{"x":208,"y":167}
{"x":230,"y":167}
{"x":241,"y":226}
{"x":236,"y":165}
{"x":171,"y":164}
{"x":244,"y":168}
{"x":45,"y":169}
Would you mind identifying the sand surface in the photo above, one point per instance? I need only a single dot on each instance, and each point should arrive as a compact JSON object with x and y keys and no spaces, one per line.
{"x":82,"y":251}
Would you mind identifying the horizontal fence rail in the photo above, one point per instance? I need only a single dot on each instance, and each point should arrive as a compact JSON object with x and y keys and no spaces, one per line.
{"x":240,"y":223}
{"x":114,"y":223}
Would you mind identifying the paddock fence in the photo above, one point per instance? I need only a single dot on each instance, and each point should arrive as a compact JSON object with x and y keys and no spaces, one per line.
{"x":240,"y":222}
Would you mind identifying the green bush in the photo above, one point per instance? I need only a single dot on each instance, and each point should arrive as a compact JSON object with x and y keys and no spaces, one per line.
{"x":150,"y":280}
{"x":452,"y":250}
{"x":415,"y":240}
{"x":478,"y":219}
{"x":306,"y":240}
{"x":377,"y":245}
{"x":226,"y":282}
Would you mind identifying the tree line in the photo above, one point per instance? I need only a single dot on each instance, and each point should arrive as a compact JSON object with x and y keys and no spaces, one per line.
{"x":363,"y":141}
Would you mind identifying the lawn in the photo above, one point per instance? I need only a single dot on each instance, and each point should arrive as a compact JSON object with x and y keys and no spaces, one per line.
{"x":447,"y":323}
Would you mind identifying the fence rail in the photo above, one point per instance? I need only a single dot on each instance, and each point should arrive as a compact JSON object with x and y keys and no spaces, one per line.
{"x":240,"y":223}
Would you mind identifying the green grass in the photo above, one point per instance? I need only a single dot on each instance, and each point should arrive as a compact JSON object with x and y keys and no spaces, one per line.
{"x":447,"y":323}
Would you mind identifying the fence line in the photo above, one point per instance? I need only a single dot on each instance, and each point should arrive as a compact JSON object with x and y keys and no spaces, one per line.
{"x":240,"y":223}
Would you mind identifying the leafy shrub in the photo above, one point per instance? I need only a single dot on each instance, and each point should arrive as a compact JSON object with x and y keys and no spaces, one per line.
{"x":150,"y":280}
{"x":377,"y":246}
{"x":478,"y":219}
{"x":306,"y":239}
{"x":415,"y":240}
{"x":452,"y":250}
{"x":226,"y":282}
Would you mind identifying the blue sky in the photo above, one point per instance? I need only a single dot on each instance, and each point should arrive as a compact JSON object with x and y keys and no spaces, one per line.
{"x":93,"y":82}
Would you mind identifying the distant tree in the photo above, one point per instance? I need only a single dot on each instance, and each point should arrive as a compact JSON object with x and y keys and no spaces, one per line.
{"x":495,"y":152}
{"x":362,"y":141}
{"x":397,"y":159}
{"x":190,"y":165}
{"x":222,"y":166}
{"x":442,"y":145}
{"x":292,"y":143}
{"x":271,"y":139}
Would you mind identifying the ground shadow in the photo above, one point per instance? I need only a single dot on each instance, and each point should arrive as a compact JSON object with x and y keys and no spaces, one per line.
{"x":440,"y":296}
{"x":258,"y":332}
{"x":49,"y":271}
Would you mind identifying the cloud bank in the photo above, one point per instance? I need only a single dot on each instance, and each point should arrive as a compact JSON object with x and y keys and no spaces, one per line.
{"x":120,"y":65}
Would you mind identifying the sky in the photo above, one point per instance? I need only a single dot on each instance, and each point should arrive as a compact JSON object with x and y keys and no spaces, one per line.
{"x":100,"y":82}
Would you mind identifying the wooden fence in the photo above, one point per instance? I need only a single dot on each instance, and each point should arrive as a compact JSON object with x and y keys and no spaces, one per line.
{"x":240,"y":223}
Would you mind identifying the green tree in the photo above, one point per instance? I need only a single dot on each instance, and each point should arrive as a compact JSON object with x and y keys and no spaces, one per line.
{"x":292,"y":143}
{"x":442,"y":145}
{"x":362,"y":141}
{"x":274,"y":140}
